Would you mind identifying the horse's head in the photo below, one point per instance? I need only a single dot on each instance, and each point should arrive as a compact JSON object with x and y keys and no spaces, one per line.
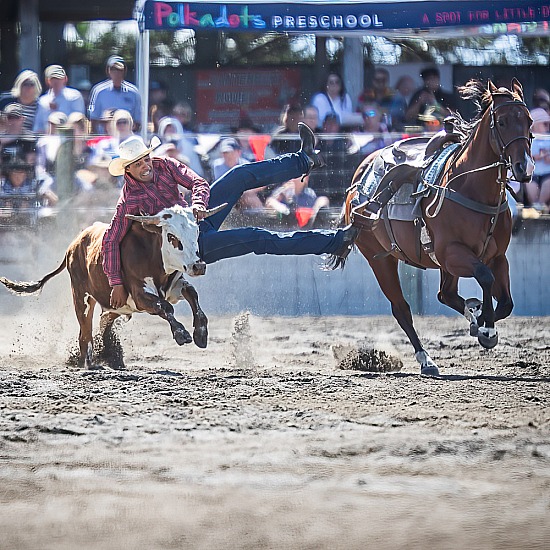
{"x":510,"y":135}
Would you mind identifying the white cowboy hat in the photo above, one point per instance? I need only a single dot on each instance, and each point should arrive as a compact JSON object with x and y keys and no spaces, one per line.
{"x":129,"y":151}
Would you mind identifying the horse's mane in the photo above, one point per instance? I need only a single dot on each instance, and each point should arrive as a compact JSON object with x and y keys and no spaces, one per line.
{"x":479,"y":93}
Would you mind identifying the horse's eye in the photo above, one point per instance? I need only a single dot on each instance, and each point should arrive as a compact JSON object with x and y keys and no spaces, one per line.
{"x":501,"y":122}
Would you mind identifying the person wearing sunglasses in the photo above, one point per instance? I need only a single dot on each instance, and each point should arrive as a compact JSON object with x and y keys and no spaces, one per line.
{"x":333,"y":99}
{"x":374,"y":125}
{"x":25,"y":90}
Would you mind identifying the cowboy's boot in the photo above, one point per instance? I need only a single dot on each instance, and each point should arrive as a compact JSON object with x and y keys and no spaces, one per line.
{"x":307,"y":137}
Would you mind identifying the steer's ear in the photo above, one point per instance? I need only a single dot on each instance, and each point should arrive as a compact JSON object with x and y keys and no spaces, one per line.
{"x":155,"y":220}
{"x":215,"y":210}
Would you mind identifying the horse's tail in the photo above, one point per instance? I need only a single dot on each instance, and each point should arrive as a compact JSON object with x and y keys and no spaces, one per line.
{"x":29,"y":288}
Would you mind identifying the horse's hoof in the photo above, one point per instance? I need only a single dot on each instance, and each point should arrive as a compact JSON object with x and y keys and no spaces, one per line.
{"x":427,"y":365}
{"x":487,"y":337}
{"x":474,"y":329}
{"x":200,"y":337}
{"x":429,"y":370}
{"x":181,"y":336}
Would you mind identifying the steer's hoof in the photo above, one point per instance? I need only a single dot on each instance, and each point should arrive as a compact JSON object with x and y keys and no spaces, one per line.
{"x":181,"y":336}
{"x":487,"y":337}
{"x":474,"y":329}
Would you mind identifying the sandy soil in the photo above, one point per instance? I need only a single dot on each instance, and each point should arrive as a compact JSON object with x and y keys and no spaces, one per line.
{"x":261,"y":441}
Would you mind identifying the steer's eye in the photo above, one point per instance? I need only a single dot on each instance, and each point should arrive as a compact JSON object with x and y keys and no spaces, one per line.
{"x":174,"y":241}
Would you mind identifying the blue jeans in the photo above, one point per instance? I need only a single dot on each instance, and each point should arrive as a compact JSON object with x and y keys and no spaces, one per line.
{"x":215,"y":245}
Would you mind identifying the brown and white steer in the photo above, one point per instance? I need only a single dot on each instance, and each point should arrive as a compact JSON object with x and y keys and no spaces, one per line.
{"x":155,"y":254}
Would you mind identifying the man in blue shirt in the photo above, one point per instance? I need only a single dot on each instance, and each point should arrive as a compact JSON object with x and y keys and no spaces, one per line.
{"x":59,"y":98}
{"x":112,"y":94}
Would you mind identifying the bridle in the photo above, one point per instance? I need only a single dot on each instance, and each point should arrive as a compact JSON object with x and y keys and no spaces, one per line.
{"x":497,"y":143}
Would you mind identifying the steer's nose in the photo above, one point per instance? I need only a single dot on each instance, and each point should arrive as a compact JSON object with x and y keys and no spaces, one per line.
{"x":198,"y":268}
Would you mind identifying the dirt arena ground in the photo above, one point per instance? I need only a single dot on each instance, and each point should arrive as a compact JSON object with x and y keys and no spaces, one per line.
{"x":261,"y":441}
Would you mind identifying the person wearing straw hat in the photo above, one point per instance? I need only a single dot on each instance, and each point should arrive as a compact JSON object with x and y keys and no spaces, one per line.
{"x":151,"y":184}
{"x":58,"y":98}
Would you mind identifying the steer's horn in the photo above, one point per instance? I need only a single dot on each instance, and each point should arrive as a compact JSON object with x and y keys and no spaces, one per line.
{"x":144,"y":219}
{"x":215,"y":210}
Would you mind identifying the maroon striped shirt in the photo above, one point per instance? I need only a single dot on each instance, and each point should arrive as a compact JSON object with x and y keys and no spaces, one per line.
{"x":149,"y":198}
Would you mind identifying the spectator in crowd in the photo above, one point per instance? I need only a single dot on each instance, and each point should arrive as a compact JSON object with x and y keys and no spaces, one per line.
{"x":119,"y":126}
{"x":159,"y":106}
{"x":311,"y":117}
{"x":171,"y":130}
{"x":285,"y":139}
{"x":25,"y":91}
{"x":47,"y":148}
{"x":296,"y":197}
{"x":541,"y":99}
{"x":58,"y":98}
{"x":184,"y":113}
{"x":230,"y":150}
{"x":112,"y":94}
{"x":82,"y":152}
{"x":333,"y":99}
{"x":404,"y":89}
{"x":430,"y":100}
{"x":244,"y":134}
{"x":17,"y":180}
{"x":379,"y":91}
{"x":538,"y":189}
{"x":375,"y":128}
{"x":15,"y":141}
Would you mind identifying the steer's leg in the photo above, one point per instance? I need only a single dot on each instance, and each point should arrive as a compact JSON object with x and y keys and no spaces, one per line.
{"x":153,"y":304}
{"x":84,"y":305}
{"x":111,"y":351}
{"x":200,"y":321}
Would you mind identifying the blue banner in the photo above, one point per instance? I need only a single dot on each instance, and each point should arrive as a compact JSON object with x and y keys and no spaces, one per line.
{"x":340,"y":17}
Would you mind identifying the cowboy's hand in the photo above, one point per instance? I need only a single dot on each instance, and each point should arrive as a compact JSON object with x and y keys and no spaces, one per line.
{"x":199,"y":211}
{"x":119,"y":296}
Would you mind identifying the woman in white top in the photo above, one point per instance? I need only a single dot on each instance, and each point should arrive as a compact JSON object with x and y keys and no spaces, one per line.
{"x":333,"y":100}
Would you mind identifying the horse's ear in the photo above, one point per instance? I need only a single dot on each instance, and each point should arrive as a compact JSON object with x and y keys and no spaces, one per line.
{"x":517,"y":87}
{"x":492,"y":88}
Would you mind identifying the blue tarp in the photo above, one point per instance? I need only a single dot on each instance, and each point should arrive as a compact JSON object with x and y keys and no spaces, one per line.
{"x":342,"y":17}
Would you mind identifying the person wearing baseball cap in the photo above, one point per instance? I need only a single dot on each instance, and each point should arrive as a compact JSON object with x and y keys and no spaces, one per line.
{"x":152,"y":184}
{"x":230,"y":150}
{"x":114,"y":93}
{"x":15,"y":141}
{"x":58,"y":99}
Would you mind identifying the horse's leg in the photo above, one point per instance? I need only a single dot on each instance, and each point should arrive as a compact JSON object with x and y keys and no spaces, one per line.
{"x":200,"y":321}
{"x":460,"y":261}
{"x":448,"y":292}
{"x":449,"y":296}
{"x":501,"y":288}
{"x":386,"y":273}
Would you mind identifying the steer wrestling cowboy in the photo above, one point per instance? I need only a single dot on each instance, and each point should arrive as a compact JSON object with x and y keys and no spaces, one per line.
{"x":151,"y":184}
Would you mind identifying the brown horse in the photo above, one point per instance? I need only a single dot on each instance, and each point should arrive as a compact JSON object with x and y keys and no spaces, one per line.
{"x":466,"y":217}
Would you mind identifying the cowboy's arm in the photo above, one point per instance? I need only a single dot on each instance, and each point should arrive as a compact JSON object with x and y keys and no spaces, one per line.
{"x":111,"y":244}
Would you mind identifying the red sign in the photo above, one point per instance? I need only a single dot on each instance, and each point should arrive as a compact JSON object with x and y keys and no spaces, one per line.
{"x":225,"y":95}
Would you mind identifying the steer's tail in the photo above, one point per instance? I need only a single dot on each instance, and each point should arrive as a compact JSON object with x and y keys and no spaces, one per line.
{"x":28,"y":288}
